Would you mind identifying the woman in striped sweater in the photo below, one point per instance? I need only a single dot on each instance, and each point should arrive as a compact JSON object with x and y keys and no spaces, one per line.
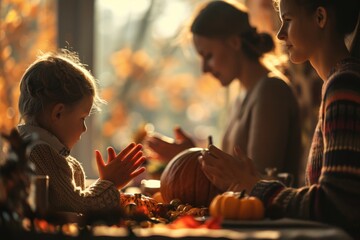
{"x":313,"y":31}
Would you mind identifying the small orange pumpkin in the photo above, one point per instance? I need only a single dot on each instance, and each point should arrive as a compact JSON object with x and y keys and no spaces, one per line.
{"x":235,"y":206}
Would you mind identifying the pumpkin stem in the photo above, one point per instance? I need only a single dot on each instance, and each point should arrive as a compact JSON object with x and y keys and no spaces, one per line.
{"x":242,"y":193}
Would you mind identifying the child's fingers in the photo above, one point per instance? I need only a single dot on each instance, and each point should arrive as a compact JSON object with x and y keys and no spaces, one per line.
{"x":129,"y":152}
{"x":99,"y":162}
{"x":111,"y":154}
{"x":135,"y":150}
{"x":139,"y":162}
{"x":137,"y":172}
{"x":99,"y":159}
{"x":133,"y":163}
{"x":126,"y":150}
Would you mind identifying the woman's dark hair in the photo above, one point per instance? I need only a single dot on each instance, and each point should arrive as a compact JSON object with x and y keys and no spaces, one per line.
{"x":346,"y":11}
{"x":219,"y":19}
{"x":355,"y":46}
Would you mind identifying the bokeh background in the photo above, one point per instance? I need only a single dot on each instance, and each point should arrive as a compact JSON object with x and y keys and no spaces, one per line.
{"x":148,"y":73}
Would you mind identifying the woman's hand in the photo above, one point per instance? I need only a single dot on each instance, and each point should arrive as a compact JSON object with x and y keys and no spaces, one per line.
{"x":229,"y":173}
{"x":164,"y":148}
{"x":123,"y":167}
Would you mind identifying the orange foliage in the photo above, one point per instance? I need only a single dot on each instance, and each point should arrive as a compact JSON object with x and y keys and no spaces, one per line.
{"x":153,"y":86}
{"x":148,"y":99}
{"x":131,"y":64}
{"x":117,"y":118}
{"x":26,"y":27}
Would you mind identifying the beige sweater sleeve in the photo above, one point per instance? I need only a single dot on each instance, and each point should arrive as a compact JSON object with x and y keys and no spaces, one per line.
{"x":266,"y":126}
{"x":67,"y":190}
{"x":272,"y":126}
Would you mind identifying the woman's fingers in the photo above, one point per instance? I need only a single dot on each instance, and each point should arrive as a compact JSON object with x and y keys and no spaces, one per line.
{"x":210,"y":166}
{"x":218,"y":153}
{"x":180,"y":135}
{"x":248,"y":162}
{"x":239,"y":152}
{"x":214,"y":174}
{"x":158,"y":145}
{"x":209,"y":158}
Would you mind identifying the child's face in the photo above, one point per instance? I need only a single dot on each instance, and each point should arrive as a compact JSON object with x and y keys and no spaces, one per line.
{"x":70,"y":122}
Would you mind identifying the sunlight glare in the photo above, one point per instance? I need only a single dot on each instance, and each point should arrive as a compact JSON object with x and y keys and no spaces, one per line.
{"x":122,"y":9}
{"x":174,"y":14}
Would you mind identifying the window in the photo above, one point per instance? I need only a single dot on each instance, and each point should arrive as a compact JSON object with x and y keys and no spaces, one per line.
{"x":147,"y":78}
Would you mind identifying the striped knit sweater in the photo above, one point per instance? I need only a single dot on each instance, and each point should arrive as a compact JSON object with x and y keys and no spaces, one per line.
{"x":67,"y":191}
{"x":332,"y":191}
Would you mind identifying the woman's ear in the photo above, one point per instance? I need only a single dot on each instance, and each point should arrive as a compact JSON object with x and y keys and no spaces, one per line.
{"x":321,"y":17}
{"x":57,"y":111}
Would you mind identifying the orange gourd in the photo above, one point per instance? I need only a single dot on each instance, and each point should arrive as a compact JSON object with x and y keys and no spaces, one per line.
{"x":184,"y":179}
{"x":235,"y":206}
{"x":157,"y":196}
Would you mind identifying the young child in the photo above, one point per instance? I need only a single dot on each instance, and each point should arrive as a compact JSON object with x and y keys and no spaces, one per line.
{"x":57,"y":94}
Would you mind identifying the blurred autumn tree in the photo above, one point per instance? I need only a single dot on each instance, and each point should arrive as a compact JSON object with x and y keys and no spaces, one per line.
{"x":147,"y":78}
{"x":26,"y":27}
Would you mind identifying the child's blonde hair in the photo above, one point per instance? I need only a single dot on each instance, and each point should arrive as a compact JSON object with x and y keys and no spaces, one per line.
{"x":55,"y":77}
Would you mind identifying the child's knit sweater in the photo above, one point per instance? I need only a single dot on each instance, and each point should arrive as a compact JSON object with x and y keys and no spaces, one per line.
{"x":67,"y":191}
{"x":332,"y":191}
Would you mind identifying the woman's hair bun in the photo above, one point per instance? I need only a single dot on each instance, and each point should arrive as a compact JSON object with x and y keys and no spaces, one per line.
{"x":266,"y":43}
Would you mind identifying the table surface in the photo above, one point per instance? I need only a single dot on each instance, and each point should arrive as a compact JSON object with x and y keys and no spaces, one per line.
{"x":265,"y":229}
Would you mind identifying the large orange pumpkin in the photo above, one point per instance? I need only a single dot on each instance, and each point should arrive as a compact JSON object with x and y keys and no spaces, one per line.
{"x":184,"y":179}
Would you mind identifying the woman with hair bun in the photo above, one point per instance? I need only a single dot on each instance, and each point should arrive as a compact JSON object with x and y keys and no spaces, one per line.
{"x":264,"y":120}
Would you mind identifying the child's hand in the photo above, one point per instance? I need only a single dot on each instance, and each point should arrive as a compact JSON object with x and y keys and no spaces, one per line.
{"x":121,"y":168}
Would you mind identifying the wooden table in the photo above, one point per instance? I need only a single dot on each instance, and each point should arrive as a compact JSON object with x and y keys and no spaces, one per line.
{"x":266,"y":229}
